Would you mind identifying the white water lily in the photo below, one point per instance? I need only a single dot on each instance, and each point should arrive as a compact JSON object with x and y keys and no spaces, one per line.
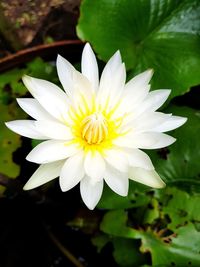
{"x":95,"y":129}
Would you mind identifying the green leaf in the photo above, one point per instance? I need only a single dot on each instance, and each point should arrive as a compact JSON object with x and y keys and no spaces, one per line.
{"x":181,"y":250}
{"x":9,"y":141}
{"x":181,"y":208}
{"x":126,"y":253}
{"x":11,"y":86}
{"x":171,"y":237}
{"x":151,"y":212}
{"x":159,"y":34}
{"x":135,"y":198}
{"x":115,"y":223}
{"x":100,"y":241}
{"x":43,"y":70}
{"x":178,"y":165}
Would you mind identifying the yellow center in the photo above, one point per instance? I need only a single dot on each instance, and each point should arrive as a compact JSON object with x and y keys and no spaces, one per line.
{"x":94,"y":128}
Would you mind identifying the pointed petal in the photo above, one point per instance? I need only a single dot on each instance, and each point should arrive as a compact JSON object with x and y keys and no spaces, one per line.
{"x":33,"y":108}
{"x":155,"y":99}
{"x":134,"y":93}
{"x":138,"y":158}
{"x":116,"y":180}
{"x":72,"y":172}
{"x":113,"y":63}
{"x":172,"y":123}
{"x":117,"y":158}
{"x":112,"y":81}
{"x":94,"y":165}
{"x":137,"y":88}
{"x":139,"y":80}
{"x":82,"y":88}
{"x":153,"y":140}
{"x":50,"y":96}
{"x":65,"y":73}
{"x":149,"y":121}
{"x":44,"y":174}
{"x":130,"y":101}
{"x":25,"y":128}
{"x":147,"y":140}
{"x":150,"y":178}
{"x":91,"y":192}
{"x":89,"y":66}
{"x":54,"y":130}
{"x":52,"y":150}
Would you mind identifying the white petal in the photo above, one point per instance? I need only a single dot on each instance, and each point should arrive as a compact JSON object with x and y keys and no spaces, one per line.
{"x":116,"y":180}
{"x":33,"y":108}
{"x":91,"y":192}
{"x":172,"y":123}
{"x":54,"y":130}
{"x":89,"y":66}
{"x":25,"y":128}
{"x":149,"y":121}
{"x":112,"y":83}
{"x":50,"y":96}
{"x":132,"y":99}
{"x":44,"y":174}
{"x":82,"y":88}
{"x":52,"y":150}
{"x":134,"y":93}
{"x":72,"y":172}
{"x":140,"y":79}
{"x":138,"y":158}
{"x":148,"y":140}
{"x":150,"y":178}
{"x":138,"y":86}
{"x":113,"y":63}
{"x":65,"y":73}
{"x":112,"y":80}
{"x":94,"y":165}
{"x":155,"y":99}
{"x":153,"y":140}
{"x":117,"y":158}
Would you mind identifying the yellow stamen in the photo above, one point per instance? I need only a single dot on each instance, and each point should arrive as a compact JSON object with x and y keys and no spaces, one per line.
{"x":94,"y":129}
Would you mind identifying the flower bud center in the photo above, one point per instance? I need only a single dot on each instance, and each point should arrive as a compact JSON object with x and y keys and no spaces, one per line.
{"x":94,"y":129}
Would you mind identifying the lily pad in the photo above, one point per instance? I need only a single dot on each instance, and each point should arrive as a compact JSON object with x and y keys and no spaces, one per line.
{"x":9,"y":141}
{"x":182,"y":250}
{"x":126,"y":253}
{"x":182,"y":208}
{"x":136,"y":197}
{"x":159,"y":34}
{"x":167,"y":248}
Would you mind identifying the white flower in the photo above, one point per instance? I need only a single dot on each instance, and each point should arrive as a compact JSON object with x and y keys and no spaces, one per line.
{"x":94,"y":130}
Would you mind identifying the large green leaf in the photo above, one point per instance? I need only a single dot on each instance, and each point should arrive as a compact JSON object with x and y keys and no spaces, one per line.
{"x":9,"y":141}
{"x":44,"y":70}
{"x":115,"y":223}
{"x":158,"y":34}
{"x":181,"y":250}
{"x":179,"y":163}
{"x":11,"y":85}
{"x":172,"y":240}
{"x":126,"y":253}
{"x":181,"y":208}
{"x":135,"y":198}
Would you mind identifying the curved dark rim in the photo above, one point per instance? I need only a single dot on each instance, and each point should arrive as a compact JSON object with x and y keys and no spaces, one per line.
{"x":69,"y":48}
